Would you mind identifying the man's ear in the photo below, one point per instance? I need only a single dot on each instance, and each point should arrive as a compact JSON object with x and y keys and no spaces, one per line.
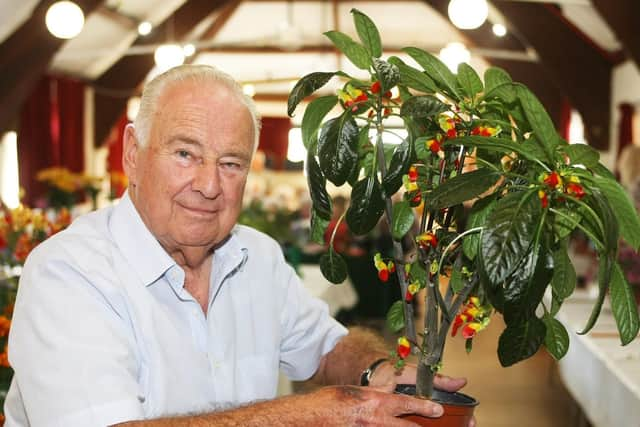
{"x":130,"y":150}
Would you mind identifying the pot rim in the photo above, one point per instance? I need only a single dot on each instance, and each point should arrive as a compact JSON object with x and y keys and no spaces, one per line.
{"x":439,"y":395}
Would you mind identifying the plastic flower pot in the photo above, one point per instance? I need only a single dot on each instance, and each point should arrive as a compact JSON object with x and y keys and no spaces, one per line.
{"x":458,"y":408}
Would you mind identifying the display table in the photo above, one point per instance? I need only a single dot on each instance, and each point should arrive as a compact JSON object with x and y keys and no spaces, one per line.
{"x":601,"y":374}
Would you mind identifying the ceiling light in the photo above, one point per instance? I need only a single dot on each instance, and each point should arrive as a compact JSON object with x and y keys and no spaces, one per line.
{"x":454,"y":54}
{"x":188,"y":49}
{"x":144,"y":28}
{"x":468,"y":14}
{"x":499,"y":30}
{"x":168,"y":56}
{"x":64,"y":19}
{"x":249,"y":89}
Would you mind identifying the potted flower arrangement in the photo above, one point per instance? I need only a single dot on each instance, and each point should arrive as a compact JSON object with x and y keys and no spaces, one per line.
{"x":494,"y":190}
{"x":21,"y":230}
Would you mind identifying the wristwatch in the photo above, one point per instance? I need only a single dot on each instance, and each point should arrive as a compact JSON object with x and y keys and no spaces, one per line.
{"x":366,"y":375}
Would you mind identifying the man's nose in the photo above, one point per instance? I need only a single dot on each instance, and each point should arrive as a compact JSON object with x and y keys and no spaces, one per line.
{"x":207,"y":181}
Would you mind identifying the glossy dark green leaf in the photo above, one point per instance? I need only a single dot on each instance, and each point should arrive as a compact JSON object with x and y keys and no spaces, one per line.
{"x":415,"y":79}
{"x":333,"y":267}
{"x":623,"y":209}
{"x":494,"y":77}
{"x":399,"y":166}
{"x":317,"y":187}
{"x":418,"y":273}
{"x":496,"y":144}
{"x":319,"y":226}
{"x":566,"y":221}
{"x":504,"y":92}
{"x":624,"y":306}
{"x":403,"y":219}
{"x":423,"y":106}
{"x":543,"y":127}
{"x":520,"y":341}
{"x":461,"y":188}
{"x":605,"y":271}
{"x":581,"y":154}
{"x":509,"y":233}
{"x":564,"y":278}
{"x":313,"y":116}
{"x":337,"y":148}
{"x":525,"y":287}
{"x":469,"y":81}
{"x":305,"y":87}
{"x":556,"y":339}
{"x":366,"y":205}
{"x":455,"y":281}
{"x":602,"y":171}
{"x":477,"y":218}
{"x":421,"y":149}
{"x":395,"y":317}
{"x":368,"y":33}
{"x":436,"y":69}
{"x":355,"y":52}
{"x":387,"y":73}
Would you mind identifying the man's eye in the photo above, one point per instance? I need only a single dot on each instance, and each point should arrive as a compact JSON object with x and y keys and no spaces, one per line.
{"x":184,"y":154}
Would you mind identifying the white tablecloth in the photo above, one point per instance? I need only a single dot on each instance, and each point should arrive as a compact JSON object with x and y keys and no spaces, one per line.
{"x":601,"y":374}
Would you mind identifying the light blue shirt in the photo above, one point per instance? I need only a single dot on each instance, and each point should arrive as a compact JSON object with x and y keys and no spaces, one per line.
{"x":104,"y":332}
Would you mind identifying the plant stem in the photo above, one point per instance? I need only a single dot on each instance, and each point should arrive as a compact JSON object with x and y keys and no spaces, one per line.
{"x":429,"y":358}
{"x":398,"y":253}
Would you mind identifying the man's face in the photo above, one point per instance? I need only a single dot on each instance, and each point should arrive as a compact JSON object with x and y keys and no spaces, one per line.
{"x":187,"y":182}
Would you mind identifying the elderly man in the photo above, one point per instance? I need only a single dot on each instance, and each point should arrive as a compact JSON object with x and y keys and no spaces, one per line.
{"x":160,"y":311}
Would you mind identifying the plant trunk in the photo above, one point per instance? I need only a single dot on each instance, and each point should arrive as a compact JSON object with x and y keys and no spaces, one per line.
{"x":429,"y":356}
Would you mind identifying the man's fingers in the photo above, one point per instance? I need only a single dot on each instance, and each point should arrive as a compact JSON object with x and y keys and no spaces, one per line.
{"x":410,"y":405}
{"x":446,"y":383}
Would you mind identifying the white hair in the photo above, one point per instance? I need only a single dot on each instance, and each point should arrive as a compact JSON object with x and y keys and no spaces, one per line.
{"x":201,"y":74}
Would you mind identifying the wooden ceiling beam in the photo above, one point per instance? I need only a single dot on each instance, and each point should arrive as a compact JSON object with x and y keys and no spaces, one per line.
{"x":128,"y":73}
{"x":623,"y":16}
{"x":576,"y":66}
{"x":25,"y":56}
{"x":227,"y":12}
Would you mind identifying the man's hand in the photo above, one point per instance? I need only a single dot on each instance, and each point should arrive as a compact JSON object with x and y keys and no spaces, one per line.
{"x":386,"y":375}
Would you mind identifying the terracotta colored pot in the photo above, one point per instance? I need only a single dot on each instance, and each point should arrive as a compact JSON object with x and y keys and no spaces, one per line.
{"x":458,"y":408}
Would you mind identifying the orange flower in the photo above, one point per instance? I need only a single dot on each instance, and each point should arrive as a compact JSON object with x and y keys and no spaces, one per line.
{"x":553,"y":179}
{"x":473,"y":318}
{"x":4,"y":358}
{"x":427,"y":240}
{"x":543,"y":198}
{"x":5,"y":325}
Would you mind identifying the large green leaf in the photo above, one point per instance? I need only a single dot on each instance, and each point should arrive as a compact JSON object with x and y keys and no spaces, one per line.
{"x":504,"y":92}
{"x":395,"y":316}
{"x":602,"y":170}
{"x":319,"y":226}
{"x":368,"y":33}
{"x":403,"y":219}
{"x":333,"y":267}
{"x":566,"y":221}
{"x":581,"y":154}
{"x":564,"y":278}
{"x":499,"y":145}
{"x":355,"y":52}
{"x":556,"y":339}
{"x":525,"y":287}
{"x":469,"y":81}
{"x":494,"y":77}
{"x":317,"y":187}
{"x":605,"y":272}
{"x":461,"y":188}
{"x":387,"y":73}
{"x":624,"y":210}
{"x":337,"y":148}
{"x":508,"y":235}
{"x":313,"y":116}
{"x":423,"y":106}
{"x":543,"y":128}
{"x":413,"y":78}
{"x":436,"y":69}
{"x":399,"y":166}
{"x":366,"y":205}
{"x":624,"y":306}
{"x":305,"y":87}
{"x":477,"y":218}
{"x":520,"y":341}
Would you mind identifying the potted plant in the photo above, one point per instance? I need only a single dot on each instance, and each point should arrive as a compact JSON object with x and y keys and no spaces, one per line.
{"x":493,"y":188}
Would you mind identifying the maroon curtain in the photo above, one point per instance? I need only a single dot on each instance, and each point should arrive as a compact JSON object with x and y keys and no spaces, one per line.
{"x":565,"y":118}
{"x":114,"y":159}
{"x":274,"y":140}
{"x":625,"y":126}
{"x":50,"y":132}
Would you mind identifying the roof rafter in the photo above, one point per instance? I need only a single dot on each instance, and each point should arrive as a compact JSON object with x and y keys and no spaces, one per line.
{"x":623,"y":17}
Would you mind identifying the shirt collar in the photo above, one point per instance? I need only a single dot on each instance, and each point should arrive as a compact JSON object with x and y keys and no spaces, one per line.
{"x":136,"y":242}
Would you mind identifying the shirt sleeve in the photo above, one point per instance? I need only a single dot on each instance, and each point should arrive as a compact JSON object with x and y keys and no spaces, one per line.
{"x":72,"y":352}
{"x":309,"y":330}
